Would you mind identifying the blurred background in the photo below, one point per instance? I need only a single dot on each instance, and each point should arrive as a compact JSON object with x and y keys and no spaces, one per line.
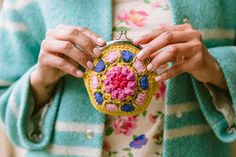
{"x":7,"y":150}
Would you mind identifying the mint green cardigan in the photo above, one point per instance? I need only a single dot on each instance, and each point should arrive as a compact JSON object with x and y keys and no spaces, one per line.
{"x":72,"y":127}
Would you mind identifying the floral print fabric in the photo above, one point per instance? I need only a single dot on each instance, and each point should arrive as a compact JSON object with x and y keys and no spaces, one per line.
{"x":139,"y":17}
{"x":141,"y":135}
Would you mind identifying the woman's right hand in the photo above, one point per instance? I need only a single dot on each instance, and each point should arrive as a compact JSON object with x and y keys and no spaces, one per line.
{"x":60,"y":55}
{"x":63,"y":51}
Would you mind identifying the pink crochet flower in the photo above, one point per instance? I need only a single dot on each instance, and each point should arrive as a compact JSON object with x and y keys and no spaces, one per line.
{"x":94,"y":82}
{"x":139,"y":66}
{"x":120,"y":82}
{"x":140,"y":99}
{"x":124,"y":125}
{"x":111,"y":107}
{"x":112,"y":56}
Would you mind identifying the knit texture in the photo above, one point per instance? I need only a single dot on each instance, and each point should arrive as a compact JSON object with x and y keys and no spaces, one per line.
{"x":201,"y":130}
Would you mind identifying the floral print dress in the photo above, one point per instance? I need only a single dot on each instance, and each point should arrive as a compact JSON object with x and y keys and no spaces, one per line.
{"x":141,"y":135}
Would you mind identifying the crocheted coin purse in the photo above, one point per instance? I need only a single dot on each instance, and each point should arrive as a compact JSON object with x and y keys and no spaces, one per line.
{"x":119,"y":84}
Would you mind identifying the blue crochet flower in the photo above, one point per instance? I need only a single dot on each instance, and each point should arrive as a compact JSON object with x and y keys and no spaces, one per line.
{"x":127,"y":56}
{"x":100,"y":66}
{"x":138,"y":142}
{"x":144,"y":82}
{"x":98,"y":97}
{"x":127,"y":108}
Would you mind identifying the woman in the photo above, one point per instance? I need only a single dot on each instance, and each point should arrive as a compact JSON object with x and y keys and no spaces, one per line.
{"x":47,"y":111}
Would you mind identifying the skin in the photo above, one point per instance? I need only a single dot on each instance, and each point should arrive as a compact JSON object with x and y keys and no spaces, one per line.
{"x":183,"y":46}
{"x":60,"y":56}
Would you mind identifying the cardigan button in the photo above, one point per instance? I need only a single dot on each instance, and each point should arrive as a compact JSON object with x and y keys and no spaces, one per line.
{"x":89,"y":133}
{"x":179,"y":114}
{"x":185,"y":20}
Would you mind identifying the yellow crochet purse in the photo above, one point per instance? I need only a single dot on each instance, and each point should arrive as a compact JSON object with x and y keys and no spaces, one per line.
{"x":119,"y":84}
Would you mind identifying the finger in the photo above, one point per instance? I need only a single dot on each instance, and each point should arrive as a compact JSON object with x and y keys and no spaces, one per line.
{"x":163,"y":40}
{"x":161,"y":29}
{"x":170,"y":72}
{"x":62,"y":64}
{"x":181,"y":27}
{"x":92,"y":35}
{"x":172,"y":53}
{"x":95,"y":37}
{"x":68,"y":49}
{"x":75,"y":37}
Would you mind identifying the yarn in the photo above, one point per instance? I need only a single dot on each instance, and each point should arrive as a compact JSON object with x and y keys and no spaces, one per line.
{"x":120,"y":84}
{"x":98,"y":97}
{"x":111,"y":57}
{"x":127,"y":108}
{"x":144,"y":82}
{"x":127,"y":56}
{"x":100,"y":66}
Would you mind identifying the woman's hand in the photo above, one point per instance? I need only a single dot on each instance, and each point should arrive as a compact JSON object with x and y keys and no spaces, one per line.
{"x":183,"y":46}
{"x":63,"y":51}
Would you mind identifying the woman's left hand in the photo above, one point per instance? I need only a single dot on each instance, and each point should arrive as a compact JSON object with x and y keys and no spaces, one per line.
{"x":183,"y":46}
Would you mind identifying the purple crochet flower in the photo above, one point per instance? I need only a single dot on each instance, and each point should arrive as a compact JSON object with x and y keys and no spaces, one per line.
{"x":144,"y":82}
{"x":138,"y":142}
{"x":127,"y":108}
{"x":98,"y":97}
{"x":120,"y":82}
{"x":127,"y":56}
{"x":100,"y":66}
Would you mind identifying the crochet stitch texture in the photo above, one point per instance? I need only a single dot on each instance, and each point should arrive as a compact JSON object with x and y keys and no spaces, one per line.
{"x":120,"y":84}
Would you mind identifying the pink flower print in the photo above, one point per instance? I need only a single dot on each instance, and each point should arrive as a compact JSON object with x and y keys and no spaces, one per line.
{"x":133,"y":18}
{"x":153,"y":118}
{"x":120,"y":82}
{"x":155,"y":4}
{"x":161,"y":92}
{"x":124,"y":125}
{"x":106,"y":146}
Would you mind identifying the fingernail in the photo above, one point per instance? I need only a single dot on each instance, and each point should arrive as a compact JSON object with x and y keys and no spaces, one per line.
{"x":158,"y":78}
{"x":101,"y":41}
{"x":90,"y":65}
{"x":79,"y":74}
{"x":140,"y":54}
{"x":97,"y":52}
{"x":150,"y":67}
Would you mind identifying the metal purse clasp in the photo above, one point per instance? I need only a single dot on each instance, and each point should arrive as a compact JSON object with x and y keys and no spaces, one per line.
{"x":123,"y":36}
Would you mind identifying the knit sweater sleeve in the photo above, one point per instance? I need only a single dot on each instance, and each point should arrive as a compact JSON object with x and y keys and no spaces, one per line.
{"x":18,"y":54}
{"x":226,"y":58}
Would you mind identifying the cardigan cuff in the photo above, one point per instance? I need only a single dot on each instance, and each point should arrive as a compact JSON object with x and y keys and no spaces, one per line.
{"x":226,"y":58}
{"x":20,"y":135}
